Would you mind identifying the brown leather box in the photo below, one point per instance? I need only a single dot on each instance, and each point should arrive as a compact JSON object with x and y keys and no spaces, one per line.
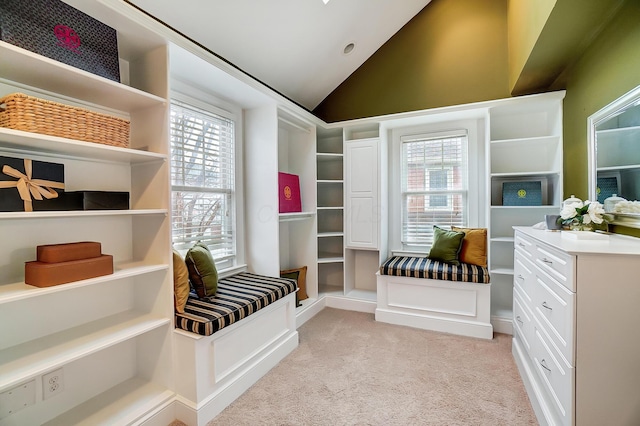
{"x":41,"y":274}
{"x":54,"y":253}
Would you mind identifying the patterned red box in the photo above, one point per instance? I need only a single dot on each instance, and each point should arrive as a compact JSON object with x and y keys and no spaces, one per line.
{"x":289,"y":193}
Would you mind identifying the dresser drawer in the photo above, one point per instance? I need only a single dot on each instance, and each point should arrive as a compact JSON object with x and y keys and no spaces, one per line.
{"x":554,"y":305}
{"x":525,"y":245}
{"x":556,"y":376}
{"x":522,"y":321}
{"x":523,"y":275}
{"x":558,"y":264}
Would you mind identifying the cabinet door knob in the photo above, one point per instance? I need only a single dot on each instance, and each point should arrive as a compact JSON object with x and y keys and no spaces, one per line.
{"x":544,"y":305}
{"x":520,"y":277}
{"x":519,"y":319}
{"x":545,"y":260}
{"x":543,"y":363}
{"x":521,"y":245}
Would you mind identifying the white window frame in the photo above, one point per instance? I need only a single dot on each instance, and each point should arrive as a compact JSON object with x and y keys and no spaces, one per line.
{"x":476,"y":190}
{"x":209,"y":103}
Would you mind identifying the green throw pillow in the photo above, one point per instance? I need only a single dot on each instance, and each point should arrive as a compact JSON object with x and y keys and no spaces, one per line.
{"x":202,"y":270}
{"x":446,"y":245}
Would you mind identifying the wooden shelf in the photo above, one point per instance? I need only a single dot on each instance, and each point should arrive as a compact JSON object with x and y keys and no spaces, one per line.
{"x":28,"y":68}
{"x":122,"y":404}
{"x":37,"y":143}
{"x":18,"y":291}
{"x":46,"y":353}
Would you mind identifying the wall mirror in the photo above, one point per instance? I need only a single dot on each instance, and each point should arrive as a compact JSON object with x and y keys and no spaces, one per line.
{"x":614,"y":158}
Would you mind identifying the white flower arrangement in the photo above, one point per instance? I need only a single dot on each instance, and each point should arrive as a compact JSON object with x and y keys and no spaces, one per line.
{"x":581,"y":215}
{"x":627,"y":207}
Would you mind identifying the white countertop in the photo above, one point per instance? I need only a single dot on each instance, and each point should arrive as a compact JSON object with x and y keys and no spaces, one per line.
{"x":606,"y":244}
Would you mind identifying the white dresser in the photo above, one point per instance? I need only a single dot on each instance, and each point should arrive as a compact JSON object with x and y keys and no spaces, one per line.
{"x":576,"y":340}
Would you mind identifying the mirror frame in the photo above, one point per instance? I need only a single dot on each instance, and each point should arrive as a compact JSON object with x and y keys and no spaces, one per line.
{"x":614,"y":108}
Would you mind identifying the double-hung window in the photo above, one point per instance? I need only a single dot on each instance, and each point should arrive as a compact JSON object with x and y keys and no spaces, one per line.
{"x":202,"y":181}
{"x":434,"y":184}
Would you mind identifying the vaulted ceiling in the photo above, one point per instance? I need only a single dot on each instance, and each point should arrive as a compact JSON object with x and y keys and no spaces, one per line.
{"x":296,"y":47}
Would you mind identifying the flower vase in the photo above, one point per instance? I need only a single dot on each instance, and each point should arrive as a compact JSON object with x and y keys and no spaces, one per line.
{"x":579,"y":226}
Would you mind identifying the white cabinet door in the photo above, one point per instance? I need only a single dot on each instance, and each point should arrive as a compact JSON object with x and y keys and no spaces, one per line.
{"x":362,"y":190}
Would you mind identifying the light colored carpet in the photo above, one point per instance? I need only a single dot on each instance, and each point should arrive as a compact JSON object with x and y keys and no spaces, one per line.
{"x":351,"y":370}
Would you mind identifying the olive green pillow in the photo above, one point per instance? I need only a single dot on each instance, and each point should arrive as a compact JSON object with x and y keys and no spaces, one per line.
{"x":446,"y":245}
{"x":202,"y":270}
{"x":180,"y":282}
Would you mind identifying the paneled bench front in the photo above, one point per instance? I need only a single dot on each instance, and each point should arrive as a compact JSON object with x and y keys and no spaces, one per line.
{"x":225,"y":343}
{"x":424,"y":293}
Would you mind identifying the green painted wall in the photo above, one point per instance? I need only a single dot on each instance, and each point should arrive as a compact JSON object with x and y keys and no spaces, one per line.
{"x":608,"y":69}
{"x":526,"y":19}
{"x":452,"y":52}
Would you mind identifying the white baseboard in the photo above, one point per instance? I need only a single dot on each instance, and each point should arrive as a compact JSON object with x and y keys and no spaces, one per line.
{"x":309,"y":309}
{"x":350,"y":304}
{"x":502,"y":325}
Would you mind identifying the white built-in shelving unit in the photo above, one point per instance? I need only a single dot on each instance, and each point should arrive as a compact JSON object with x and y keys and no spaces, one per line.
{"x":277,"y":140}
{"x":330,"y":211}
{"x":525,"y":144}
{"x":111,"y":335}
{"x":365,"y":204}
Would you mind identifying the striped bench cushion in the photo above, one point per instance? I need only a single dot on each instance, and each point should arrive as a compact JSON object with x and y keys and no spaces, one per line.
{"x":422,"y":267}
{"x":237,"y":297}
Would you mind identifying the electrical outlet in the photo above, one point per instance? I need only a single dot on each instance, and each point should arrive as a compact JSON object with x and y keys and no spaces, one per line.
{"x":14,"y":400}
{"x":52,"y":383}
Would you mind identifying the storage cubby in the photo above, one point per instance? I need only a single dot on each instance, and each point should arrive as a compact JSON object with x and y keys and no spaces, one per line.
{"x":362,"y":131}
{"x":330,"y":247}
{"x":330,"y":220}
{"x":526,"y":156}
{"x":527,"y":117}
{"x":360,"y":274}
{"x":331,"y":278}
{"x":548,"y":188}
{"x":330,"y":194}
{"x":330,"y":167}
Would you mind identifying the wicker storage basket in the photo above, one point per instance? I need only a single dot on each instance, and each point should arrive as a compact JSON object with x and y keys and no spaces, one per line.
{"x":30,"y":114}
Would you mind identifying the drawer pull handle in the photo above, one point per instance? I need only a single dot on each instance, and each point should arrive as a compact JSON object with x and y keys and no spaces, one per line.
{"x":547,"y":261}
{"x":543,"y":363}
{"x":521,"y":245}
{"x":544,"y":305}
{"x":519,"y":319}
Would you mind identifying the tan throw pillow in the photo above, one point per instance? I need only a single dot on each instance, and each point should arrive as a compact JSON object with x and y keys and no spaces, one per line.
{"x":180,"y":282}
{"x":301,"y":278}
{"x":474,"y":246}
